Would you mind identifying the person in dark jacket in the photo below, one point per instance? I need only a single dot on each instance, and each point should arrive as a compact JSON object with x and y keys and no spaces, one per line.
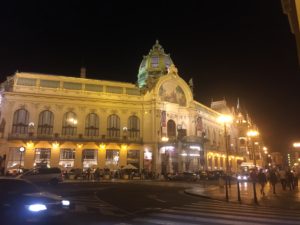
{"x":273,"y":179}
{"x":262,"y":179}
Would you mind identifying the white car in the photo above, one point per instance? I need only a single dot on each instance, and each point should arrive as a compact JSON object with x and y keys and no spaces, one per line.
{"x":43,"y":175}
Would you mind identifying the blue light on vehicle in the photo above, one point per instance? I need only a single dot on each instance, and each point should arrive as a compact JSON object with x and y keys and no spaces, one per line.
{"x":37,"y":207}
{"x":65,"y":202}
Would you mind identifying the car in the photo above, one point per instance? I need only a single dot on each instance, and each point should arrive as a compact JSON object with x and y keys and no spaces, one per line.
{"x":185,"y":176}
{"x":73,"y":174}
{"x":43,"y":175}
{"x":243,"y":177}
{"x":215,"y":174}
{"x":22,"y":201}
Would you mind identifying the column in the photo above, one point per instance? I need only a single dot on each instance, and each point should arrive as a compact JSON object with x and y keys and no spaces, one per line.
{"x":78,"y":158}
{"x":55,"y":155}
{"x":29,"y":157}
{"x":123,"y":155}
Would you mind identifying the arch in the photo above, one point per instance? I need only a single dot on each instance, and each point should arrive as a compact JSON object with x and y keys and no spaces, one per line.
{"x":92,"y":125}
{"x":113,"y":126}
{"x":134,"y":127}
{"x":45,"y":125}
{"x":69,"y":124}
{"x":171,"y":129}
{"x":20,"y":122}
{"x":174,"y":81}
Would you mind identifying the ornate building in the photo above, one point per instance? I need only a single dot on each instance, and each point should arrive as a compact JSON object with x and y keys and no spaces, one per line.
{"x":80,"y":122}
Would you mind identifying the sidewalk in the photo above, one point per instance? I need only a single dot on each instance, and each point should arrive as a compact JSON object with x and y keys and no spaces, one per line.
{"x":282,"y":199}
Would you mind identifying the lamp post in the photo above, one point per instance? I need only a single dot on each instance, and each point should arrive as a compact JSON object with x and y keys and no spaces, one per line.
{"x":252,"y":134}
{"x":21,"y":149}
{"x":226,"y":119}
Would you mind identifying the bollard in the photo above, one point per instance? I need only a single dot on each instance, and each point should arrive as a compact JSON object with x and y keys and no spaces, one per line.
{"x":238,"y":190}
{"x":254,"y":192}
{"x":226,"y":187}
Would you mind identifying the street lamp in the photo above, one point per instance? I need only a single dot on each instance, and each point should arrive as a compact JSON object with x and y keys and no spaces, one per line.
{"x":252,"y":134}
{"x":21,"y":149}
{"x":226,"y":119}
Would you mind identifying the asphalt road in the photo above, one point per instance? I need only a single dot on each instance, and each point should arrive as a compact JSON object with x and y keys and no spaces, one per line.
{"x":121,"y":201}
{"x":157,"y":203}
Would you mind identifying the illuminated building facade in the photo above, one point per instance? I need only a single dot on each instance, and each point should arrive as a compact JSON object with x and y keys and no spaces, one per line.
{"x":75,"y":122}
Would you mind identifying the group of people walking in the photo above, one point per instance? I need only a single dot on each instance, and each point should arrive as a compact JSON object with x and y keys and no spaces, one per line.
{"x":288,"y":179}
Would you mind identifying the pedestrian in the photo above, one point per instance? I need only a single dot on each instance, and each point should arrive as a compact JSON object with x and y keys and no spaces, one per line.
{"x":88,"y":173}
{"x":296,"y":177}
{"x":97,"y":174}
{"x":262,"y":179}
{"x":273,"y":179}
{"x":282,"y":177}
{"x":290,"y":179}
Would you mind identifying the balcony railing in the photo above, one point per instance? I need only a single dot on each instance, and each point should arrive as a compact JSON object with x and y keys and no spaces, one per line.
{"x":75,"y":138}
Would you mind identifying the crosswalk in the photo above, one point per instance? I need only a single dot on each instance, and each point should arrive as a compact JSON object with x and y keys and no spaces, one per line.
{"x":214,"y":212}
{"x":91,"y":204}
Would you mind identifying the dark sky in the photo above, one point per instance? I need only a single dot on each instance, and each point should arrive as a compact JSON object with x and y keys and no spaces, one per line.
{"x":231,"y":49}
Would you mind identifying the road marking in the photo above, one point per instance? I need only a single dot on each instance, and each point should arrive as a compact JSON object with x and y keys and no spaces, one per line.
{"x":210,"y":212}
{"x":154,"y":197}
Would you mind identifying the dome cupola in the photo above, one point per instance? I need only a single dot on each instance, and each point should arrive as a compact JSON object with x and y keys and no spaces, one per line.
{"x":155,"y":64}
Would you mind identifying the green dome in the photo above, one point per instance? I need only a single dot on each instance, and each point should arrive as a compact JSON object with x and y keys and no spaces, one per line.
{"x":155,"y":64}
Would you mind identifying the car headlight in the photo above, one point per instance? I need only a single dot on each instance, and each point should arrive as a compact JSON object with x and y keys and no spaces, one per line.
{"x":37,"y":207}
{"x":239,"y":177}
{"x":65,"y":202}
{"x":244,"y":178}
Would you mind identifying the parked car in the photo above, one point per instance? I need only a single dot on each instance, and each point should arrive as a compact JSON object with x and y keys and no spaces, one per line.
{"x":185,"y":176}
{"x":203,"y":175}
{"x":215,"y":174}
{"x":75,"y":173}
{"x":43,"y":175}
{"x":21,"y":201}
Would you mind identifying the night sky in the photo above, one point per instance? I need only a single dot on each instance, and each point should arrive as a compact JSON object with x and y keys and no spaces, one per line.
{"x":231,"y":49}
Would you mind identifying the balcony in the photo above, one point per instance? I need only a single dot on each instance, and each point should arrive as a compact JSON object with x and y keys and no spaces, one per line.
{"x":74,"y":138}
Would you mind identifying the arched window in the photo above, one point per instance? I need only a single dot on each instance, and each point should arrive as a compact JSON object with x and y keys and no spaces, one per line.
{"x":113,"y":126}
{"x":45,"y":125}
{"x":20,"y":122}
{"x":134,"y":127}
{"x":171,"y":129}
{"x":69,"y":124}
{"x":92,"y":125}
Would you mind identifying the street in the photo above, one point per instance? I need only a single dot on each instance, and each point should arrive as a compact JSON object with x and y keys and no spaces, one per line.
{"x":159,"y":203}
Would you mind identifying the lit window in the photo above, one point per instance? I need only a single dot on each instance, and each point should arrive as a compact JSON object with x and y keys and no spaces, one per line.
{"x":154,"y":61}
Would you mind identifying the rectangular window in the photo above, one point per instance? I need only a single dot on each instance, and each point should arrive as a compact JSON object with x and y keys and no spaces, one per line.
{"x":216,"y":163}
{"x":154,"y":61}
{"x":26,"y":81}
{"x":94,"y":87}
{"x":50,"y":83}
{"x":72,"y":86}
{"x":67,"y":157}
{"x":221,"y":162}
{"x":112,"y":158}
{"x":132,"y":91}
{"x":133,"y":158}
{"x":89,"y":158}
{"x":112,"y":89}
{"x":67,"y":154}
{"x":42,"y":157}
{"x":15,"y":157}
